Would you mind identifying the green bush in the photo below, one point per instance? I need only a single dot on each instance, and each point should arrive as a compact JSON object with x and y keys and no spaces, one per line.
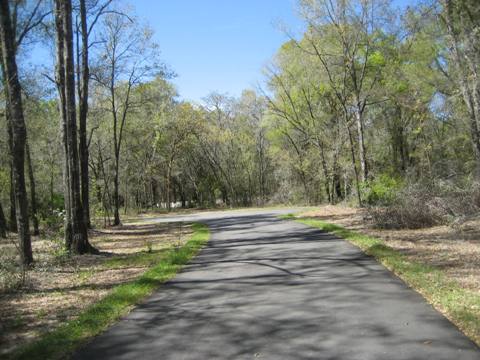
{"x":53,"y":223}
{"x":58,"y":201}
{"x":382,"y":190}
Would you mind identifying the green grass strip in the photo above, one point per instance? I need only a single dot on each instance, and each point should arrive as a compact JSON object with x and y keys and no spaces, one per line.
{"x":460,"y":305}
{"x":61,"y":342}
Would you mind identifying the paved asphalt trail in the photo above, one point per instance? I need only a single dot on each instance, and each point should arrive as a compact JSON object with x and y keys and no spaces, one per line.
{"x":272,"y":289}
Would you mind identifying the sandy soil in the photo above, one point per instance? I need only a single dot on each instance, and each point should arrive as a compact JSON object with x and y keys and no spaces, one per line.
{"x":456,"y":250}
{"x":59,"y":287}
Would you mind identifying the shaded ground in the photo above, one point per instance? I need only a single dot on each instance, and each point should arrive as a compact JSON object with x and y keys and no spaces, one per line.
{"x":456,"y":250}
{"x":272,"y":289}
{"x":59,"y":287}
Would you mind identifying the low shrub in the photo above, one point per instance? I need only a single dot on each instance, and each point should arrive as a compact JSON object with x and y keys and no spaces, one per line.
{"x":53,"y":223}
{"x":381,"y":191}
{"x":424,"y":205}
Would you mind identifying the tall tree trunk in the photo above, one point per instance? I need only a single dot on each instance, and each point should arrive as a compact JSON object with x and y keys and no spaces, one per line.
{"x":168,"y":187}
{"x":116,"y":148}
{"x":12,"y":226}
{"x":13,"y":212}
{"x":354,"y":164}
{"x":78,"y":243}
{"x":19,"y":132}
{"x":33,"y":196}
{"x":154,"y":187}
{"x":336,"y":178}
{"x":362,"y":154}
{"x":125,"y":199}
{"x":52,"y":195}
{"x":3,"y":223}
{"x":60,"y":80}
{"x":116,"y":195}
{"x":83,"y":112}
{"x":261,"y":174}
{"x":326,"y":174}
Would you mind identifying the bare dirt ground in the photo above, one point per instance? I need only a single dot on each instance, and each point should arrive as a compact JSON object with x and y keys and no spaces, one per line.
{"x":456,"y":250}
{"x":59,"y":287}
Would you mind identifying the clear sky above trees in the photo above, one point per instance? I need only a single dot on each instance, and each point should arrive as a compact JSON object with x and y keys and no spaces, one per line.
{"x":220,"y":45}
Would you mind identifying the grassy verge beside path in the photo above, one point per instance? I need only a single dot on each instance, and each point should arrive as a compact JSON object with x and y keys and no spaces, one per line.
{"x":459,"y":305}
{"x":61,"y":342}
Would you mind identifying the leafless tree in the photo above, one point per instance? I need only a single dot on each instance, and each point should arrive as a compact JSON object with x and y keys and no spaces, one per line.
{"x":128,"y":57}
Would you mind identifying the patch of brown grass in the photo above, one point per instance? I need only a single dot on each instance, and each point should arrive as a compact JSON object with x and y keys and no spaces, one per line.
{"x":59,"y":288}
{"x":453,"y":249}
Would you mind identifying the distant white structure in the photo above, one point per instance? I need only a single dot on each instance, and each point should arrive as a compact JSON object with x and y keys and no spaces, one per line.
{"x":173,"y":205}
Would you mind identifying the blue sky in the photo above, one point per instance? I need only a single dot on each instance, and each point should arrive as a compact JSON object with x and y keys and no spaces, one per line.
{"x":218,"y":45}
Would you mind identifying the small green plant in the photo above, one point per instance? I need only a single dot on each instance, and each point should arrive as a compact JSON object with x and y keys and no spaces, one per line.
{"x":149,"y":246}
{"x":53,"y":222}
{"x":40,"y":314}
{"x":85,"y":275}
{"x":58,"y":249}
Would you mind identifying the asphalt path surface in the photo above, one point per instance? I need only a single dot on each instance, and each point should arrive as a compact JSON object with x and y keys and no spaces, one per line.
{"x":265,"y":288}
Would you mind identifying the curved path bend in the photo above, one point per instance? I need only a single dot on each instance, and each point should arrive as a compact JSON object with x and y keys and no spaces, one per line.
{"x":272,"y":289}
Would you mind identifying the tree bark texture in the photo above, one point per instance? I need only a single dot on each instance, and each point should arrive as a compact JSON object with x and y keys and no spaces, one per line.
{"x":19,"y":132}
{"x":77,"y":242}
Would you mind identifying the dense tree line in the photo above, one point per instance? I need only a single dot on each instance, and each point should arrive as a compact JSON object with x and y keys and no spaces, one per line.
{"x":365,"y":101}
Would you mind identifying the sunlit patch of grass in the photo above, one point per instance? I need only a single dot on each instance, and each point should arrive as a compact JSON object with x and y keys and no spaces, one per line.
{"x":85,"y":275}
{"x":287,"y":216}
{"x":460,"y":305}
{"x":139,"y":259}
{"x":61,"y":342}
